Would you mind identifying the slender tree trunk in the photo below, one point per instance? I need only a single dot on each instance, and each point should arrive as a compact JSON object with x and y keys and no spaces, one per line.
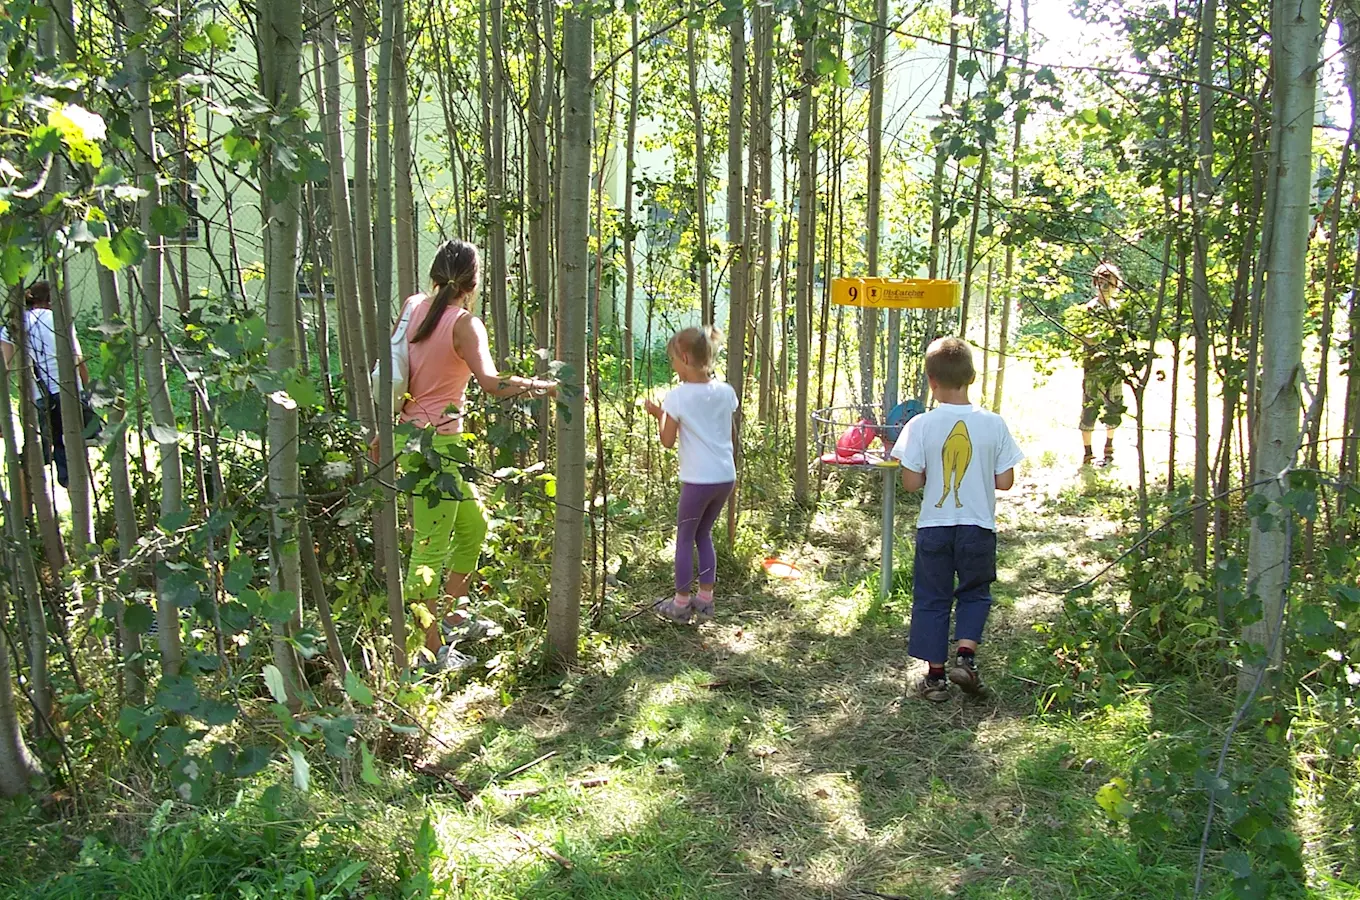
{"x":124,"y":505}
{"x":408,"y":280}
{"x":564,"y":604}
{"x":385,"y":519}
{"x":868,"y":317}
{"x":807,"y":255}
{"x":279,"y":32}
{"x":1348,"y":15}
{"x":493,"y":149}
{"x":16,"y":530}
{"x":736,"y":239}
{"x":1199,"y":296}
{"x":701,"y":240}
{"x":772,"y":392}
{"x":18,"y":766}
{"x":354,"y":326}
{"x":1297,"y":35}
{"x":323,"y":329}
{"x":363,"y":192}
{"x":970,"y":260}
{"x":937,"y":180}
{"x":541,"y":223}
{"x":630,"y":228}
{"x":165,"y":429}
{"x":383,"y":264}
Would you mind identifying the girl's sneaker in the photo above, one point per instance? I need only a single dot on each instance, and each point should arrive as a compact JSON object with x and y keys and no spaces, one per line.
{"x":702,"y":607}
{"x":670,"y":608}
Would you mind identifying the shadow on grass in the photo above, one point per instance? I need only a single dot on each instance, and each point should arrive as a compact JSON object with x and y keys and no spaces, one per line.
{"x":775,"y":754}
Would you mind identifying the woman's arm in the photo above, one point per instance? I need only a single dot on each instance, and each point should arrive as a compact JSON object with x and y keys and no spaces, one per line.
{"x":470,"y":342}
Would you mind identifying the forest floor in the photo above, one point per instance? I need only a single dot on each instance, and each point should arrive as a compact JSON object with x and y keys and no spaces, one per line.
{"x":777,"y":752}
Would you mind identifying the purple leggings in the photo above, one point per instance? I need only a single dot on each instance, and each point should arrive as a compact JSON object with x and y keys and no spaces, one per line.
{"x":699,"y":508}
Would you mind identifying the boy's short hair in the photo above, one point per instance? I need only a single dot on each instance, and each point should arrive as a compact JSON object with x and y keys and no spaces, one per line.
{"x":949,"y":363}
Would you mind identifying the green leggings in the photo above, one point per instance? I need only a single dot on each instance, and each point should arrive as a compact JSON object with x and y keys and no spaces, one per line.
{"x":448,"y":535}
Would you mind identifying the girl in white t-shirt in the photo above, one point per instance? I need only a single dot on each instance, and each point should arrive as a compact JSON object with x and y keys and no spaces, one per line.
{"x":698,"y":413}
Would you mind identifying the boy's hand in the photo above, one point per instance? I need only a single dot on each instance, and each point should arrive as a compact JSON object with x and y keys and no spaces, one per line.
{"x":653,"y":408}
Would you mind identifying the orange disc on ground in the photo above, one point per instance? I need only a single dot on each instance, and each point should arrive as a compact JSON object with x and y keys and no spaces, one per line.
{"x":780,"y":569}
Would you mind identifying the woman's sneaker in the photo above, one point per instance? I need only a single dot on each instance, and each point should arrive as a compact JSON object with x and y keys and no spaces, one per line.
{"x":936,"y":689}
{"x":964,"y":673}
{"x":447,"y":659}
{"x":470,"y":630}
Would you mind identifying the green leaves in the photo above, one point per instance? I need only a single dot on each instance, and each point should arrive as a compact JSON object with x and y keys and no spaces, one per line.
{"x":127,"y":247}
{"x":357,"y":690}
{"x":169,"y":220}
{"x":80,"y":130}
{"x":273,"y":680}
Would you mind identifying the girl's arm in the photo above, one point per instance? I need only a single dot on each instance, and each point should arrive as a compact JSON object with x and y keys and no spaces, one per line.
{"x":670,"y":430}
{"x":470,"y":342}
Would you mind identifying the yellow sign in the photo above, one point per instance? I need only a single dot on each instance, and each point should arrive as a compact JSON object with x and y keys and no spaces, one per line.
{"x":895,"y":293}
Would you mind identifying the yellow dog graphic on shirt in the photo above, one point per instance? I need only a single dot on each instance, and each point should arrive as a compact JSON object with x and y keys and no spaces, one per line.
{"x":957,"y":454}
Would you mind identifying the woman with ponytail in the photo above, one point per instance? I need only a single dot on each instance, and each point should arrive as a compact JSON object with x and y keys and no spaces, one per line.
{"x":448,"y":347}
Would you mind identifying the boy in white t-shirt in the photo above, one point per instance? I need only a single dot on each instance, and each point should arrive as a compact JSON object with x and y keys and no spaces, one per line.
{"x":962,"y":455}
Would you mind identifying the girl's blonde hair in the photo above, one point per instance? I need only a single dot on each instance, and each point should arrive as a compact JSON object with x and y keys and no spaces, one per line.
{"x":701,"y":345}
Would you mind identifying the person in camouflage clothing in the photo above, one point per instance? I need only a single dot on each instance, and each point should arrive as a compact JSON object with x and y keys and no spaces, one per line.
{"x":1106,"y":334}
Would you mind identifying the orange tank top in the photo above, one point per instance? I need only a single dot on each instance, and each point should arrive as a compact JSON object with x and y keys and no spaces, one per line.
{"x":439,"y":376}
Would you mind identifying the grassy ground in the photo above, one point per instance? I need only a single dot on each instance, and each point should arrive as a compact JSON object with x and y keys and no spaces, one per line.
{"x":772,"y":754}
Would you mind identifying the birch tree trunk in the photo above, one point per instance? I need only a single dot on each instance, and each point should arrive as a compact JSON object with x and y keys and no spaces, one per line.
{"x":363,"y":194}
{"x":493,"y":150}
{"x":762,"y":151}
{"x":342,"y":231}
{"x":385,"y":517}
{"x":1348,"y":15}
{"x":18,"y":766}
{"x":541,"y":225}
{"x":279,"y":33}
{"x":937,"y":181}
{"x":736,"y":239}
{"x":408,"y":279}
{"x":868,"y":330}
{"x":164,"y":429}
{"x":564,"y":602}
{"x":700,"y":172}
{"x":383,"y":266}
{"x":1297,"y":35}
{"x":1199,"y":288}
{"x":120,"y":485}
{"x":807,"y":255}
{"x":630,"y":228}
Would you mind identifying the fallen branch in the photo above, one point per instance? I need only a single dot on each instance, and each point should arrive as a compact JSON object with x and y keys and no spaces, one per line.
{"x":545,"y":850}
{"x":516,"y":793}
{"x":520,"y":770}
{"x":461,"y":789}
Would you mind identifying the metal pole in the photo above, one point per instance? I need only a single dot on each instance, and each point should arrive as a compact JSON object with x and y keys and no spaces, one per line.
{"x":890,"y":475}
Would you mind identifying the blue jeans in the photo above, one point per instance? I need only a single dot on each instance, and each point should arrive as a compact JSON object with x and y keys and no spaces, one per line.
{"x":965,"y":551}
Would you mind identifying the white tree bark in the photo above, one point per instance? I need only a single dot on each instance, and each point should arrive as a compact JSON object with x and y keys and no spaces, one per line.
{"x":807,"y":255}
{"x":165,"y":429}
{"x":279,"y":32}
{"x":1297,"y":36}
{"x":564,"y":603}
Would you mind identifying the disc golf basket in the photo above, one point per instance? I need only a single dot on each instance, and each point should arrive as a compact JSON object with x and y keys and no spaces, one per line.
{"x":853,"y":437}
{"x":848,"y":437}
